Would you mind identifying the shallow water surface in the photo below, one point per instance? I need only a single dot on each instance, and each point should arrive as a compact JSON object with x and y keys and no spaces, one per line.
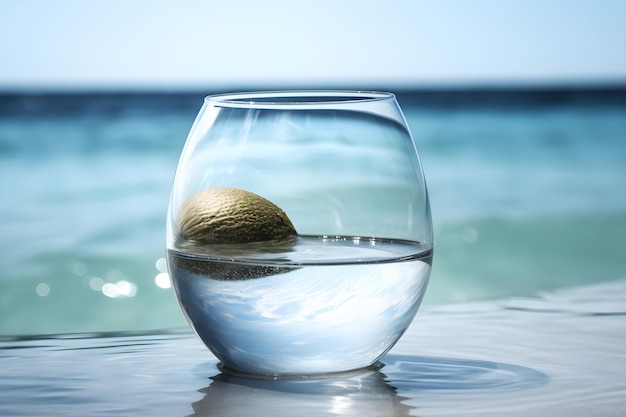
{"x":559,"y":354}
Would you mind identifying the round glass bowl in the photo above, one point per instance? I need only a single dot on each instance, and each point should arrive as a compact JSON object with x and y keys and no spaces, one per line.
{"x":338,"y":293}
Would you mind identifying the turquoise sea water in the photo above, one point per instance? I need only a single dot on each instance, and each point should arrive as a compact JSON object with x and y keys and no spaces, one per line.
{"x":528,"y":193}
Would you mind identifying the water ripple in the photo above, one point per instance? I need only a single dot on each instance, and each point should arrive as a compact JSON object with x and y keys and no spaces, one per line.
{"x":429,"y":373}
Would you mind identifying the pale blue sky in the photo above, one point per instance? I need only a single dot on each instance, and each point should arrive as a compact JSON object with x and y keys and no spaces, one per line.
{"x":195,"y":43}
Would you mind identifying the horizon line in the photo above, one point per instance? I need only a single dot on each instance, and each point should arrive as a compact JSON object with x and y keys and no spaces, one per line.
{"x":151,"y":88}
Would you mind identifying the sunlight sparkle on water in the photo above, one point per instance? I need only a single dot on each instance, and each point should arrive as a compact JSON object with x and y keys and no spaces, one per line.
{"x":161,"y":265}
{"x":96,"y":283}
{"x":42,"y":289}
{"x":162,"y":279}
{"x":469,"y":234}
{"x":121,"y":288}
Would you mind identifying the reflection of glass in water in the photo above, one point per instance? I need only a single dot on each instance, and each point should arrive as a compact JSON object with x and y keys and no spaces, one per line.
{"x":292,"y":313}
{"x":363,"y":393}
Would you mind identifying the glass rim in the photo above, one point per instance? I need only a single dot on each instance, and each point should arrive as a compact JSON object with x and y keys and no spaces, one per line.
{"x":296,"y":98}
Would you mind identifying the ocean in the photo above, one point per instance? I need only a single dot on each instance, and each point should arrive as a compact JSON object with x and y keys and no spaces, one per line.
{"x":528,"y":194}
{"x":523,"y":315}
